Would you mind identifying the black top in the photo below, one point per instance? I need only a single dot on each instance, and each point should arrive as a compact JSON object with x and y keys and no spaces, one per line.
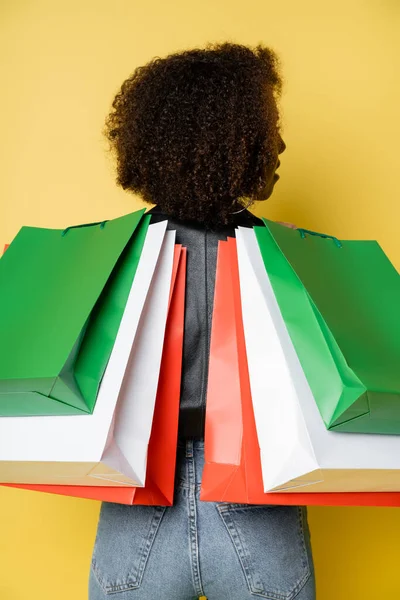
{"x":202,"y":245}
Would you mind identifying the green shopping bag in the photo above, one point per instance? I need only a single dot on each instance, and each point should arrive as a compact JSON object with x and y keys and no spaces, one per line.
{"x":341,"y":305}
{"x":63,"y":294}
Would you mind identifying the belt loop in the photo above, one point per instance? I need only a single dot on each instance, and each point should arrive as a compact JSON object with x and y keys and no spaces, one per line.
{"x":189,"y":448}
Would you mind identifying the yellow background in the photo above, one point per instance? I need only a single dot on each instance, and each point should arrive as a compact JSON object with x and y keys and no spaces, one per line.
{"x":62,"y":62}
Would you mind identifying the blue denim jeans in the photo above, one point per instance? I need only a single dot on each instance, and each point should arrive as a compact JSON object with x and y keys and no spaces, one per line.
{"x":220,"y":551}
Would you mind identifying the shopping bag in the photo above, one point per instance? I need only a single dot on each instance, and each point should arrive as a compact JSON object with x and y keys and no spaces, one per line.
{"x":340,"y":303}
{"x":63,"y":294}
{"x":160,"y":473}
{"x":108,"y":447}
{"x":297,"y":451}
{"x":232,"y":471}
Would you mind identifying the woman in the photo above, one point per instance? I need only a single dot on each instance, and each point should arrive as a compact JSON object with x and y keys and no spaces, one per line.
{"x":197,"y":133}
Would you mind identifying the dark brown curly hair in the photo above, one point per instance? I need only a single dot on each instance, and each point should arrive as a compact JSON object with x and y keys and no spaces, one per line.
{"x":196,"y":132}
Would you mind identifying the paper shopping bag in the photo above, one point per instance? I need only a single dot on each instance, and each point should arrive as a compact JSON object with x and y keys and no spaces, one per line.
{"x":108,"y":447}
{"x":297,"y":451}
{"x":63,"y":294}
{"x":232,"y":471}
{"x":340,"y":303}
{"x":160,"y":474}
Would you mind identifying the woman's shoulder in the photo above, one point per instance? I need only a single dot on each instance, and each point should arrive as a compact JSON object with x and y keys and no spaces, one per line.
{"x":156,"y":213}
{"x":246,"y":218}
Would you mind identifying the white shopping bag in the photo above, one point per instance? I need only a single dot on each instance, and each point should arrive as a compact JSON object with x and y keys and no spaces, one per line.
{"x":297,"y":451}
{"x":108,"y":447}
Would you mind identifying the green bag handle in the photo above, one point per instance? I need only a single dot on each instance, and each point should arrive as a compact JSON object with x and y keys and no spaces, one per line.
{"x":305,"y":232}
{"x":101,"y":223}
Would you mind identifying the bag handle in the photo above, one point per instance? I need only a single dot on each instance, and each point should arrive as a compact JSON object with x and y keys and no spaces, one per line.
{"x":305,"y":232}
{"x":101,"y":223}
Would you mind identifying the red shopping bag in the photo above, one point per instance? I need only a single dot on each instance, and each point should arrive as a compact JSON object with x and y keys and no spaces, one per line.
{"x":160,"y":473}
{"x":232,"y":470}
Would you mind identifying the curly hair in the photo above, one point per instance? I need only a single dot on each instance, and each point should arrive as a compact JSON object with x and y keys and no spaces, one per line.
{"x":196,"y":132}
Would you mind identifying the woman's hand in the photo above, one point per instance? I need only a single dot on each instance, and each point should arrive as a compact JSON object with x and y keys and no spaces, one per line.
{"x":290,"y":225}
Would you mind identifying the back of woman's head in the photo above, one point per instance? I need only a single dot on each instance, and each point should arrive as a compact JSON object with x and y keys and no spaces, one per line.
{"x":197,"y":132}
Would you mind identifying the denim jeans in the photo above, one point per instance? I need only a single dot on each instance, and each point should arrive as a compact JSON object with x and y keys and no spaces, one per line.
{"x":194,"y":549}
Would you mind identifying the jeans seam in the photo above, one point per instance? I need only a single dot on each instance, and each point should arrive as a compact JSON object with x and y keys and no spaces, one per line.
{"x":302,"y":513}
{"x":192,"y":512}
{"x":182,"y":483}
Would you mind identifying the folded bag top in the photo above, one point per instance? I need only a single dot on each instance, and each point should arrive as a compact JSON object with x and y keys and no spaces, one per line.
{"x":341,"y":305}
{"x":63,"y":294}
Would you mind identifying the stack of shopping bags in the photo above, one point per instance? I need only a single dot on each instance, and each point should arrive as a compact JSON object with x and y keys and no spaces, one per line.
{"x":303,"y":403}
{"x":313,"y":371}
{"x":92,"y":332}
